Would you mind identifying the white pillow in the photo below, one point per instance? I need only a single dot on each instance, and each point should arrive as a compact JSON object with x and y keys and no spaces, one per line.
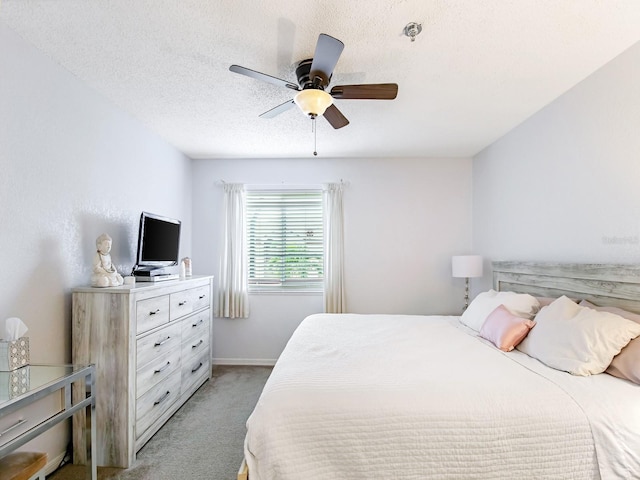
{"x":519,"y":304}
{"x":576,"y":339}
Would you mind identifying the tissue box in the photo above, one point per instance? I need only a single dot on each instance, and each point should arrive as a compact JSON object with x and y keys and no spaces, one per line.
{"x":14,"y":383}
{"x":14,"y":354}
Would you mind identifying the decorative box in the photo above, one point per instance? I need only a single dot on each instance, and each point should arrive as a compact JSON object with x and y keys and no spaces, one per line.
{"x":14,"y":383}
{"x":14,"y":354}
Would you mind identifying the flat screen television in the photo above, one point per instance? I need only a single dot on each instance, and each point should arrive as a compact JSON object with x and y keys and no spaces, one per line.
{"x":158,"y":242}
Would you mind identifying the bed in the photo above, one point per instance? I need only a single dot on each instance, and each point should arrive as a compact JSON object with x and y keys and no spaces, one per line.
{"x":418,"y":397}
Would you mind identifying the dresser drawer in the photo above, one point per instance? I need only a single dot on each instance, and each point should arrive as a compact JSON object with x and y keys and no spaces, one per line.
{"x":182,"y":303}
{"x":151,"y":313}
{"x":195,"y":369}
{"x":194,"y":345}
{"x":202,"y":297}
{"x":156,"y":401}
{"x":157,"y":344}
{"x":17,"y":423}
{"x":156,"y":370}
{"x":188,"y":301}
{"x":195,"y":325}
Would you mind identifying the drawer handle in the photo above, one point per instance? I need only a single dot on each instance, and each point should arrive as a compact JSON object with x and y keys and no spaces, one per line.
{"x":154,"y":312}
{"x":194,"y":370}
{"x":162,"y":369}
{"x":197,"y":344}
{"x":157,"y":344}
{"x":162,"y":398}
{"x":201,"y":297}
{"x":183,"y":303}
{"x":199,"y":322}
{"x":15,"y":425}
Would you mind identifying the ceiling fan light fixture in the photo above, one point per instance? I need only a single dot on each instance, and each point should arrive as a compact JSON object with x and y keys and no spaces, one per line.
{"x":313,"y":102}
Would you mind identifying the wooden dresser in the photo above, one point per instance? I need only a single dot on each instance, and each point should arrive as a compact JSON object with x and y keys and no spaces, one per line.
{"x":150,"y":344}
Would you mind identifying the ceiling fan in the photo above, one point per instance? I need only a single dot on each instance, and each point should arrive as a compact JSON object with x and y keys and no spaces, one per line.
{"x":314,"y":75}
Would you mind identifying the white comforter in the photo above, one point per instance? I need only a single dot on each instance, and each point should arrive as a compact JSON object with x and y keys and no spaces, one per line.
{"x":416,"y":397}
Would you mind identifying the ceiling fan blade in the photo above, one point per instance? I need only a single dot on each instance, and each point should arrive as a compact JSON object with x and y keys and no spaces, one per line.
{"x":325,"y":58}
{"x":263,"y":76}
{"x":370,"y":91}
{"x":283,"y":107}
{"x":335,"y":117}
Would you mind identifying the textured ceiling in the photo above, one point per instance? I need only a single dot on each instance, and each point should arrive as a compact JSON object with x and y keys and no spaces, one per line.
{"x":478,"y":68}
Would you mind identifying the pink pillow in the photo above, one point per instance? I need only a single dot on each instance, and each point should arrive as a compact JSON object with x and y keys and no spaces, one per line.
{"x":626,"y":364}
{"x":504,"y":329}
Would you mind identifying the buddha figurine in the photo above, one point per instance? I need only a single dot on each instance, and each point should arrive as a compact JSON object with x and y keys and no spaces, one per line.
{"x":104,"y":272}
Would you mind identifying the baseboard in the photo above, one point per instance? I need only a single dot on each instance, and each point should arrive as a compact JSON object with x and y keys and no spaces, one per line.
{"x":257,"y":362}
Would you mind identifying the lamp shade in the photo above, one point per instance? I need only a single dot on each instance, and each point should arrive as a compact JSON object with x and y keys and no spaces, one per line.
{"x":466,"y":266}
{"x":313,"y":101}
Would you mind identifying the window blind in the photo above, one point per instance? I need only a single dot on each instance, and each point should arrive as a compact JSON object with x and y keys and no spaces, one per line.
{"x":284,"y":239}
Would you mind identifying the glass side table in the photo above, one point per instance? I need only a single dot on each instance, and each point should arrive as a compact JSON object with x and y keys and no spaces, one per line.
{"x":26,"y":385}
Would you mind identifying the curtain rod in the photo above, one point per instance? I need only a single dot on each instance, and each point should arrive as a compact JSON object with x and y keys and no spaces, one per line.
{"x":345,"y":183}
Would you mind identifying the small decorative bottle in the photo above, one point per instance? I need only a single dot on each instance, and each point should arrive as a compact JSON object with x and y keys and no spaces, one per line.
{"x":187,"y":266}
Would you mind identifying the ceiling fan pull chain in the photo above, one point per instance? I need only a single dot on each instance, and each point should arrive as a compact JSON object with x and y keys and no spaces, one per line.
{"x":315,"y":137}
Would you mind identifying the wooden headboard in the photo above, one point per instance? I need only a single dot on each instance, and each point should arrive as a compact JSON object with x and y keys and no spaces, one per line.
{"x":601,"y":284}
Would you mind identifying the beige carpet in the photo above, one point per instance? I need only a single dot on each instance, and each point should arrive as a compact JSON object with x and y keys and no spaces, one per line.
{"x":203,"y":440}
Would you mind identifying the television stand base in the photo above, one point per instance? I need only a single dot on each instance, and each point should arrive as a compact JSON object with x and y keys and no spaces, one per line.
{"x":158,"y":278}
{"x":155,"y":271}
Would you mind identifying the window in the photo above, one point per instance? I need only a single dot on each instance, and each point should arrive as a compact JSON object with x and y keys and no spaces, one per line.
{"x":284,"y":239}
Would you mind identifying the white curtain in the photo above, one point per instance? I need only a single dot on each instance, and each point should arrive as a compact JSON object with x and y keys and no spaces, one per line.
{"x":233,"y":299}
{"x":334,"y":296}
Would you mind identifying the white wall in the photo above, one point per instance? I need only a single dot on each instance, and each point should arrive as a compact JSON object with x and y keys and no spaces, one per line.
{"x":404,"y":220}
{"x":71,"y":167}
{"x":564,"y":185}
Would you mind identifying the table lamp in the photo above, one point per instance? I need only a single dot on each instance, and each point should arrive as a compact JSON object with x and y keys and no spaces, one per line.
{"x":466,"y":266}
